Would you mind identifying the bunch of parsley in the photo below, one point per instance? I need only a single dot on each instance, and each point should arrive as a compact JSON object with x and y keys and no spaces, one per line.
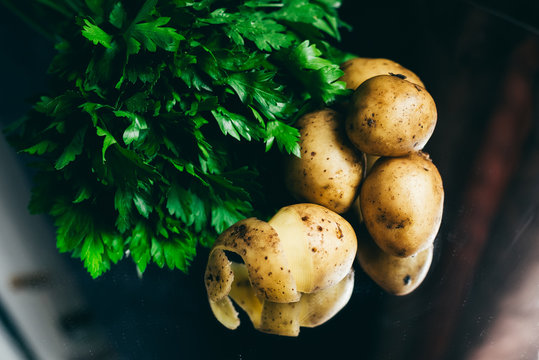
{"x":159,"y":129}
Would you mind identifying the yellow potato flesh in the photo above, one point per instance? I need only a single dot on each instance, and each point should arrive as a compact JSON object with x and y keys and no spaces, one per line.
{"x":294,"y":245}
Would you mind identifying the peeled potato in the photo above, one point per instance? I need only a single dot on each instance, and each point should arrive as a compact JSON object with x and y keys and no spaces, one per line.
{"x":357,"y":70}
{"x":281,"y":318}
{"x":396,"y":275}
{"x":402,"y":203}
{"x":330,"y":168}
{"x":319,"y":244}
{"x":389,"y":116}
{"x":303,"y":249}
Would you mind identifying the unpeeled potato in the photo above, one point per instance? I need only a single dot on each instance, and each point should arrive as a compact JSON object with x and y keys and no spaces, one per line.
{"x":402,"y":203}
{"x":330,"y":168}
{"x":357,"y":70}
{"x":389,"y":116}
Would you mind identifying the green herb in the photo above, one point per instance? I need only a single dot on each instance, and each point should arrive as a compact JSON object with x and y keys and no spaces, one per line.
{"x":165,"y":115}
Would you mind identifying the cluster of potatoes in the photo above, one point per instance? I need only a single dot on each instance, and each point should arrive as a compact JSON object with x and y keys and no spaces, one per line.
{"x":366,"y":160}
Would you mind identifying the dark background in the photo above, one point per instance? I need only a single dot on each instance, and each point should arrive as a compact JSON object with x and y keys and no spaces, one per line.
{"x":480,"y":62}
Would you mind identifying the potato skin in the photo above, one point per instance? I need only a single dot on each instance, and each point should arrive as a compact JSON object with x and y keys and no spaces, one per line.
{"x":330,"y":168}
{"x":260,"y":248}
{"x":402,"y":203}
{"x":396,"y":275}
{"x":389,"y":116}
{"x":357,"y":70}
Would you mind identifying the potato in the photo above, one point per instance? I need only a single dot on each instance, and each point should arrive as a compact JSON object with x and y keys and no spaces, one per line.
{"x":303,"y":249}
{"x":389,"y":116}
{"x":396,"y":275}
{"x":330,"y":168}
{"x":357,"y":70}
{"x":402,"y":203}
{"x":319,"y":244}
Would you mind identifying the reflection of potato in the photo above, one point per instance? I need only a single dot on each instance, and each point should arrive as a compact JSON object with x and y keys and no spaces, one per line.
{"x":357,"y":70}
{"x":396,"y":275}
{"x":402,"y":202}
{"x":330,"y":168}
{"x":282,"y":318}
{"x":389,"y":116}
{"x":304,"y":250}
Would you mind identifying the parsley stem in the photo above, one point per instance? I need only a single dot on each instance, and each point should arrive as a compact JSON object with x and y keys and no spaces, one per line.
{"x":270,"y":5}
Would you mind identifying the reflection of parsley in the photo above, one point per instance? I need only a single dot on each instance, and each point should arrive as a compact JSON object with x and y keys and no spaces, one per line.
{"x":150,"y":144}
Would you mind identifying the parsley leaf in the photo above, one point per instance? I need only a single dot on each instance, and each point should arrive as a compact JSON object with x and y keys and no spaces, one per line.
{"x":140,"y":241}
{"x":287,"y":137}
{"x":41,"y":148}
{"x":267,"y":34}
{"x":118,"y":15}
{"x":72,"y":150}
{"x":317,"y":74}
{"x":153,"y":34}
{"x":92,"y":254}
{"x":235,"y":125}
{"x":96,"y":35}
{"x":107,"y":142}
{"x":256,"y":88}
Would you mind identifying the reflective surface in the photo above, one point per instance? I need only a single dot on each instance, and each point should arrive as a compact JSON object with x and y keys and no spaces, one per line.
{"x":480,"y":299}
